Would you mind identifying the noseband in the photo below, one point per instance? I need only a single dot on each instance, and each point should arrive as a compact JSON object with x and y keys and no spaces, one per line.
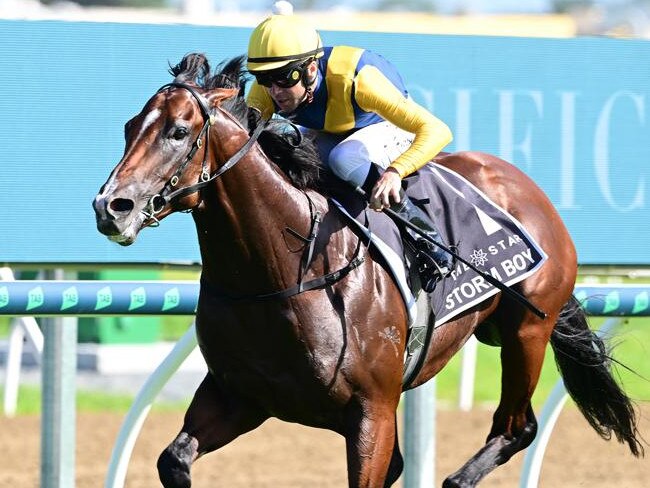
{"x":169,"y":193}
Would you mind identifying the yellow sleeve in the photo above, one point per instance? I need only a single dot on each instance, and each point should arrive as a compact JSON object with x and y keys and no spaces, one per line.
{"x":375,"y":93}
{"x":260,"y":99}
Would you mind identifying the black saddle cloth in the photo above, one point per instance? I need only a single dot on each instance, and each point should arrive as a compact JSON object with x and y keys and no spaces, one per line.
{"x":470,"y":223}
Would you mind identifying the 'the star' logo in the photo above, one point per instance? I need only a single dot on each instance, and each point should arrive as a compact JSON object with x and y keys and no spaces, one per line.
{"x":478,"y":257}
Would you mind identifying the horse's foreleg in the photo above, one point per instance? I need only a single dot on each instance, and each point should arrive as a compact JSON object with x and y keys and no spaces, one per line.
{"x":514,"y":425}
{"x":396,"y":465}
{"x":370,"y":437}
{"x":212,"y":420}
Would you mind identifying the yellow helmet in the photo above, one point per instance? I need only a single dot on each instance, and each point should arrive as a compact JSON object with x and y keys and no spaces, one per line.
{"x":281,"y":40}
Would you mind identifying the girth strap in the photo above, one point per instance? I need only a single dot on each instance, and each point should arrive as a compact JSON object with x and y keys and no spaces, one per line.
{"x":320,"y":282}
{"x":302,"y":286}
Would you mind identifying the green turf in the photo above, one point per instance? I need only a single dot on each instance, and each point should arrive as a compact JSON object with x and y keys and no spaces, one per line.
{"x":631,"y":346}
{"x":29,"y":402}
{"x":4,"y":327}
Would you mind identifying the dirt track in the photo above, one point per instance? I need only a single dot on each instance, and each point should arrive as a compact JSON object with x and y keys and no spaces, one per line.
{"x":291,"y":456}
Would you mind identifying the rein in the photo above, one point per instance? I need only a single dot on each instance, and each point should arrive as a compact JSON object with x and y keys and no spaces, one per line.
{"x":158,"y":202}
{"x":168,"y":194}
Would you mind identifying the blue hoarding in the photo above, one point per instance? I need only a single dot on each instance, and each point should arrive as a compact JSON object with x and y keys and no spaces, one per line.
{"x":571,"y":113}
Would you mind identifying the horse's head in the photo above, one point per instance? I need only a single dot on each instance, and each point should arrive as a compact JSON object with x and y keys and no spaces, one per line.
{"x":166,"y":153}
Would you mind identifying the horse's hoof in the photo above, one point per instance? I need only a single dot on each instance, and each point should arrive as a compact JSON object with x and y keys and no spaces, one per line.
{"x":173,"y":470}
{"x":455,"y":483}
{"x":175,"y":479}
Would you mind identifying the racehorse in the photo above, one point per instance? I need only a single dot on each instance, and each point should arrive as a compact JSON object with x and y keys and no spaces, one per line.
{"x":298,"y":319}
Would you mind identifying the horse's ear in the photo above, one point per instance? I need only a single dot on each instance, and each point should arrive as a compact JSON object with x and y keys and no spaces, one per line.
{"x":217,"y":95}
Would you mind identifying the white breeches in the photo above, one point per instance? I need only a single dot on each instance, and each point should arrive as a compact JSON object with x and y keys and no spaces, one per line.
{"x":350,"y":157}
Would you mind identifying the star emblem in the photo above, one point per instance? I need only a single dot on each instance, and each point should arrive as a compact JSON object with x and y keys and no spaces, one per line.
{"x":478,"y":257}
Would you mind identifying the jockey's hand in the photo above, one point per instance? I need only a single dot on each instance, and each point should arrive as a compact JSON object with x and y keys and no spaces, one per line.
{"x":386,"y":190}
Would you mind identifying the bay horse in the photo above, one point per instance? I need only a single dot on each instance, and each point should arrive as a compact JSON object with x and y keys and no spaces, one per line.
{"x":294,"y":310}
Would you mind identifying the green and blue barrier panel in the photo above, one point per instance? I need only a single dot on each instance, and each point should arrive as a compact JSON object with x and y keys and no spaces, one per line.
{"x":116,"y":298}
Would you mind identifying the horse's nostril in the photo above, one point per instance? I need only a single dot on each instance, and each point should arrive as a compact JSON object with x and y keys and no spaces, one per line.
{"x":121,"y":205}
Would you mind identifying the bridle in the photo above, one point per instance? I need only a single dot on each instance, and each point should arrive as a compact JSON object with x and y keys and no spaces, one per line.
{"x":169,"y":192}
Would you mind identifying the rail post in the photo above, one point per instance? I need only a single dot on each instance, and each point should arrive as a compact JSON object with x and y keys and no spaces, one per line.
{"x":58,"y":412}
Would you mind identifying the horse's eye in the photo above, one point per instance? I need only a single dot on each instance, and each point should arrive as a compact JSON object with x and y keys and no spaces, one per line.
{"x":180,"y":133}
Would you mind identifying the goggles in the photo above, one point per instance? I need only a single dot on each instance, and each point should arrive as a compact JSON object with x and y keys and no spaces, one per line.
{"x":285,"y":78}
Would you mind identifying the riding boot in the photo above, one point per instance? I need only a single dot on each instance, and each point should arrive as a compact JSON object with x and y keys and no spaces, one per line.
{"x":433,"y":262}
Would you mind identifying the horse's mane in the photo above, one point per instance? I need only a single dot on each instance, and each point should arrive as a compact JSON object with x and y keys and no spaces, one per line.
{"x":295,"y":154}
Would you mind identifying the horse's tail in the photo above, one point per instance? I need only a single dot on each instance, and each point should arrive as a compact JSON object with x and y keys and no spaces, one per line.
{"x":584,"y":364}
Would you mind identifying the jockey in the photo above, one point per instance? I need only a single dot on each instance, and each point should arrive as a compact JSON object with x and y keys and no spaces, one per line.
{"x":358,"y":105}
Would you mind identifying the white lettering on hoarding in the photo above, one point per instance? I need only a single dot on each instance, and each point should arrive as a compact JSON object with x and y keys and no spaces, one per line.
{"x":567,"y":150}
{"x":601,"y":152}
{"x":510,"y":124}
{"x":507,"y":144}
{"x":463,"y":120}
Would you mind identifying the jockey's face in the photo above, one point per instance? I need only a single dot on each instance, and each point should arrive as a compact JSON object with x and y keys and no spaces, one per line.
{"x":288,"y":99}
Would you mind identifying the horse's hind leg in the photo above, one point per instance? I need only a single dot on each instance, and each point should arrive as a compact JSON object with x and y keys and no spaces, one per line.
{"x":514,"y":425}
{"x":212,"y":420}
